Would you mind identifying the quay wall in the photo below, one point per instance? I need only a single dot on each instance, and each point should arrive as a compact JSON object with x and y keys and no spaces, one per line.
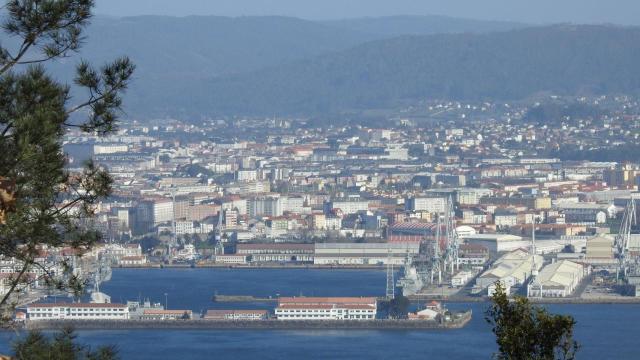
{"x":250,"y":325}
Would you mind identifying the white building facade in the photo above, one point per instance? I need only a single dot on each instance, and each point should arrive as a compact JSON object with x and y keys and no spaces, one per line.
{"x":64,"y":311}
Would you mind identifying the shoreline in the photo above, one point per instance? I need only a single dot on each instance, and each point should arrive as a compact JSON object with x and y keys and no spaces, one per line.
{"x":253,"y":267}
{"x":267,"y":325}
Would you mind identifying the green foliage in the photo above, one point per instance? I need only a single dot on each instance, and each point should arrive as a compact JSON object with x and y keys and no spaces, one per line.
{"x":499,"y":66}
{"x":619,"y":153}
{"x":396,"y":308}
{"x":556,"y":114}
{"x":149,"y":243}
{"x":51,"y":204}
{"x":61,"y":346}
{"x":527,"y":332}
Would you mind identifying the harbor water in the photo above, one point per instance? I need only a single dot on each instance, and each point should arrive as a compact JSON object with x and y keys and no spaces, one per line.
{"x":604,"y":331}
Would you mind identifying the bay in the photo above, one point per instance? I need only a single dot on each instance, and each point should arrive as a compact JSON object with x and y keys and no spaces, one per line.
{"x":604,"y":331}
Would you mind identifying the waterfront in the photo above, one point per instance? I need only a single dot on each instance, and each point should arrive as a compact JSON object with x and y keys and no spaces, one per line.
{"x":192,"y":288}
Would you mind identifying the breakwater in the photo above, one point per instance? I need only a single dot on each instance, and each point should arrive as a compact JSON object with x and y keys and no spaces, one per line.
{"x":458,"y":322}
{"x":242,"y":298}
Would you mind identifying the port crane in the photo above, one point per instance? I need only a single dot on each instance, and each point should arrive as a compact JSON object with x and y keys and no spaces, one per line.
{"x":622,"y":240}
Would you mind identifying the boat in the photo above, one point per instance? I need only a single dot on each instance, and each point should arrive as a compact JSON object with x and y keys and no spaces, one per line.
{"x":411,"y":281}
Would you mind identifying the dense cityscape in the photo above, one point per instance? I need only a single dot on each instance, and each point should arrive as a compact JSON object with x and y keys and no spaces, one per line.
{"x":443,"y":196}
{"x":347,"y":187}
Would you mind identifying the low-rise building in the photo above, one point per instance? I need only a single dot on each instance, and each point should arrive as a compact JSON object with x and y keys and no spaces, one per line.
{"x":280,"y":252}
{"x":473,"y":254}
{"x":363,"y":253}
{"x":66,"y":311}
{"x":238,"y":259}
{"x":559,"y":279}
{"x":133,"y":261}
{"x":326,"y":308}
{"x":236,"y":315}
{"x":510,"y":269}
{"x":162,"y":314}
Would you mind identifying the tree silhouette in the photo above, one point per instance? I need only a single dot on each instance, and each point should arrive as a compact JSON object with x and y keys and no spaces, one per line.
{"x":527,"y":332}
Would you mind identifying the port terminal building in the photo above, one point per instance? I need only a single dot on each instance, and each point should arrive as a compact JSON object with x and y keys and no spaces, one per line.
{"x":326,"y":308}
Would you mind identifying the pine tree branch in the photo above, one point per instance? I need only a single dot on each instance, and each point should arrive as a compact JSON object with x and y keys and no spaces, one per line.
{"x":14,"y":284}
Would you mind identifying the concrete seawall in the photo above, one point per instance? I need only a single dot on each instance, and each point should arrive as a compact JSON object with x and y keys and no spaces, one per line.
{"x":458,"y":323}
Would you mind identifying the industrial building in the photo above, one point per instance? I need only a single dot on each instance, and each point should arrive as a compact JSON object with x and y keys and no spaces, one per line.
{"x":497,"y":242}
{"x":600,"y":251}
{"x":336,"y":308}
{"x":510,"y":269}
{"x":410,"y":232}
{"x":559,"y":279}
{"x":280,"y":252}
{"x":364,"y":253}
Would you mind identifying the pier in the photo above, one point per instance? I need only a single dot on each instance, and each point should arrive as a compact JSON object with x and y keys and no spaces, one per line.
{"x":458,"y":322}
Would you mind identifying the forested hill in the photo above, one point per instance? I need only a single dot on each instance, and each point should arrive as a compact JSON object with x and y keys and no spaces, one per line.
{"x":391,"y":26}
{"x":174,"y":54}
{"x":508,"y":65}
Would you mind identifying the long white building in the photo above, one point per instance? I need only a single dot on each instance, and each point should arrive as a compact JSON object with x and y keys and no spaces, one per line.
{"x":363,"y":253}
{"x":331,"y":308}
{"x":65,"y":311}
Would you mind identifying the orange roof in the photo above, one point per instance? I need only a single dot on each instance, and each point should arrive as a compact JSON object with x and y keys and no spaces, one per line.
{"x":165,"y":312}
{"x":79,"y":305}
{"x":225,"y":312}
{"x":328,"y":300}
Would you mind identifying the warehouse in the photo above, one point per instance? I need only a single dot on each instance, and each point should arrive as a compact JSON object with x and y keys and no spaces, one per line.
{"x":363,"y":253}
{"x":511,"y":269}
{"x":600,"y":251}
{"x":559,"y":279}
{"x":497,"y":242}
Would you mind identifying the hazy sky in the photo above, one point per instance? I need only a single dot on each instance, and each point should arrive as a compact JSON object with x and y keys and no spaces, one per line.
{"x":533,"y":11}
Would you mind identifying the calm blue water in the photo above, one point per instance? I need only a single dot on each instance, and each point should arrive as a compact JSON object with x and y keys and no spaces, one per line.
{"x":605,"y":331}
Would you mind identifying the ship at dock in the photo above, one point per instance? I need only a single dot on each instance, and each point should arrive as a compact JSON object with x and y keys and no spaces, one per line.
{"x":411,"y":281}
{"x":437,"y":259}
{"x":99,"y":273}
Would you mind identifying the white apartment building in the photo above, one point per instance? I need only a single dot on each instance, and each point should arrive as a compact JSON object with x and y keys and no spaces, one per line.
{"x":110,"y":148}
{"x":162,"y":211}
{"x":193,"y":227}
{"x":65,"y":311}
{"x":246,"y":175}
{"x":265,"y":206}
{"x":347,"y":206}
{"x":315,"y":308}
{"x":429,"y":204}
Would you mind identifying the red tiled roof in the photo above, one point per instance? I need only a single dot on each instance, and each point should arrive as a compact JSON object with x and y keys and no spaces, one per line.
{"x":326,"y":300}
{"x":165,"y":312}
{"x":74,"y":305}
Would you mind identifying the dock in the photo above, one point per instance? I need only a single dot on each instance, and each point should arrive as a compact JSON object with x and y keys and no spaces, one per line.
{"x":419,"y":325}
{"x":242,"y":298}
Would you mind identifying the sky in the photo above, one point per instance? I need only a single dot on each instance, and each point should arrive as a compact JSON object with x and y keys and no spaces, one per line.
{"x":623,"y":12}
